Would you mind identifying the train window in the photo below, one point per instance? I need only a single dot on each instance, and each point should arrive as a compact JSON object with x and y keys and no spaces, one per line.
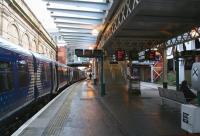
{"x":23,"y":73}
{"x":45,"y":74}
{"x":6,"y":75}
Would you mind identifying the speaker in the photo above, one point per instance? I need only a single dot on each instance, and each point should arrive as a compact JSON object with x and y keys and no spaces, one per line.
{"x":197,"y":44}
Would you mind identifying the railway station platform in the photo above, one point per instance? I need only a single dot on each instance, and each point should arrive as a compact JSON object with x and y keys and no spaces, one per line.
{"x":80,"y":111}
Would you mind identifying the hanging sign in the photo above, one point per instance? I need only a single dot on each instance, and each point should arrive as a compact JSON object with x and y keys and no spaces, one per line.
{"x":79,"y":52}
{"x":120,"y":55}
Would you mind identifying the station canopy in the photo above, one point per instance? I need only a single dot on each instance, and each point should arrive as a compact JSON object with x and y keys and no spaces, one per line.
{"x":79,"y":21}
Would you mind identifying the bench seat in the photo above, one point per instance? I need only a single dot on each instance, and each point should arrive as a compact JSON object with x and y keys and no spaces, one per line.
{"x":171,"y":96}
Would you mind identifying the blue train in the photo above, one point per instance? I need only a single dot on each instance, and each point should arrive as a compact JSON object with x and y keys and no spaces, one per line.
{"x":26,"y":77}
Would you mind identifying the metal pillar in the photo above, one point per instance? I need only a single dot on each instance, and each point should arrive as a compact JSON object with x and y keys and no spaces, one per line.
{"x":102,"y":85}
{"x":165,"y":67}
{"x":198,"y":98}
{"x":177,"y":71}
{"x":94,"y":71}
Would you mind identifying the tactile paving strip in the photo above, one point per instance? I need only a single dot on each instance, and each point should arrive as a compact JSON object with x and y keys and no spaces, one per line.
{"x":56,"y":124}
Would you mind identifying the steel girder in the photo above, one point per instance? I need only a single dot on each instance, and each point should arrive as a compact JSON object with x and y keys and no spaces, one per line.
{"x":188,"y":36}
{"x":123,"y":13}
{"x":134,"y":44}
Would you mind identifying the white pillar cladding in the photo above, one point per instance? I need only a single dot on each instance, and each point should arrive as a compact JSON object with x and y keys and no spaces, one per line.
{"x":165,"y":64}
{"x":181,"y":70}
{"x":152,"y":74}
{"x":20,"y":26}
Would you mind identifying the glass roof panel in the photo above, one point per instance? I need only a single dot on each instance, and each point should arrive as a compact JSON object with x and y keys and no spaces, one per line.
{"x":72,"y":16}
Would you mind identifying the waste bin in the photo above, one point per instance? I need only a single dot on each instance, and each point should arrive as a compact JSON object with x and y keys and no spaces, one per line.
{"x":134,"y":86}
{"x":165,"y":85}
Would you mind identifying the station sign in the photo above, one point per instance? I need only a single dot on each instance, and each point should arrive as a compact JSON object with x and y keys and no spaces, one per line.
{"x":151,"y":55}
{"x":97,"y":53}
{"x":120,"y":55}
{"x":88,"y":53}
{"x":79,"y":52}
{"x":113,"y":59}
{"x":141,"y":56}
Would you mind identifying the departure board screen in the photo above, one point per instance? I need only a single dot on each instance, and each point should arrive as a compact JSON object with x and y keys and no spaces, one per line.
{"x":79,"y":52}
{"x":120,"y":55}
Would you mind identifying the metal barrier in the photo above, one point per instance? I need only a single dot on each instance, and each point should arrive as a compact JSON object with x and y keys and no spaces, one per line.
{"x":134,"y":86}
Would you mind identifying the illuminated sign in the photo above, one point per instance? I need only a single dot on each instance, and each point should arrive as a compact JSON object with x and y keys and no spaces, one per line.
{"x":151,"y":55}
{"x":88,"y":53}
{"x":120,"y":55}
{"x":97,"y":53}
{"x":113,"y":59}
{"x":141,"y":56}
{"x":79,"y":52}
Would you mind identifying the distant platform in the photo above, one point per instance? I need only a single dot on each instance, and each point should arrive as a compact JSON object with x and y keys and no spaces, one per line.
{"x":79,"y":111}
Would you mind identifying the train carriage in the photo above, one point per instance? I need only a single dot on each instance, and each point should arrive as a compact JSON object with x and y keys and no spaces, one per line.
{"x":16,"y":78}
{"x":26,"y":77}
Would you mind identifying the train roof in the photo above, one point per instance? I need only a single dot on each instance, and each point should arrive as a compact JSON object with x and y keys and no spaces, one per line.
{"x":41,"y":57}
{"x":61,"y":64}
{"x":13,"y":47}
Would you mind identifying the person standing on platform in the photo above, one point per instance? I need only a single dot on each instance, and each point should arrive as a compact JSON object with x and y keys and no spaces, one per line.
{"x":90,"y":76}
{"x":189,"y":95}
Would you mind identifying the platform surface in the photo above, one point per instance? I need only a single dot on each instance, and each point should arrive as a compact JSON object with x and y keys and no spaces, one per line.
{"x":80,"y":111}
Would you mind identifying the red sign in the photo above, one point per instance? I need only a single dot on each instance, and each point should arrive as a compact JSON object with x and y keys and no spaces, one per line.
{"x":152,"y":55}
{"x":120,"y":55}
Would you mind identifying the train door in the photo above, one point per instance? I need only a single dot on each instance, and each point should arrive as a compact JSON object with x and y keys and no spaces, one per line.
{"x":54,"y":78}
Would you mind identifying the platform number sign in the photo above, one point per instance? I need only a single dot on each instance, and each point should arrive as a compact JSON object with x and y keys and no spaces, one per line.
{"x":120,"y":55}
{"x":185,"y":117}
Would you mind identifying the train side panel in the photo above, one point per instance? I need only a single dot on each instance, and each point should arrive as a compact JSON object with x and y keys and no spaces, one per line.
{"x":17,"y":80}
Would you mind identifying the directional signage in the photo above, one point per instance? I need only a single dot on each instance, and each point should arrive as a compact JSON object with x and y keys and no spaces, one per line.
{"x":149,"y":55}
{"x":89,"y":53}
{"x":120,"y":55}
{"x":79,"y":52}
{"x":97,"y":53}
{"x":113,"y":59}
{"x":141,"y":56}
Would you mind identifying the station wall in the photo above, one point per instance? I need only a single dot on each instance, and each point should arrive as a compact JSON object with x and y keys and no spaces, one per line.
{"x":19,"y":25}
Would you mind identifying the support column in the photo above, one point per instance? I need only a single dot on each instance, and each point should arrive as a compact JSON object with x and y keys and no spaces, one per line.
{"x":177,"y":70}
{"x":165,"y":67}
{"x":94,"y":71}
{"x":102,"y":85}
{"x":181,"y":70}
{"x":152,"y":78}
